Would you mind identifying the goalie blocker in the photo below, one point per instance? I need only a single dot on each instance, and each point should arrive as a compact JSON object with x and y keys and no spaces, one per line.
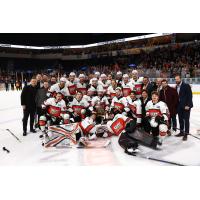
{"x":132,"y":136}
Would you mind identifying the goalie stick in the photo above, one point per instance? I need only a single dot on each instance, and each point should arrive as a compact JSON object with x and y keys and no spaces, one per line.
{"x":90,"y":145}
{"x":159,"y":160}
{"x":13,"y":134}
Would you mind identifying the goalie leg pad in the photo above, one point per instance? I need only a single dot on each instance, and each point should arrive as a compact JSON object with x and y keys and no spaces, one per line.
{"x":42,"y":122}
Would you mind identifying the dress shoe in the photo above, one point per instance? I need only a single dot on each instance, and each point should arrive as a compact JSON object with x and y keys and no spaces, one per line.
{"x":179,"y":135}
{"x":185,"y":137}
{"x":33,"y":131}
{"x":24,"y":133}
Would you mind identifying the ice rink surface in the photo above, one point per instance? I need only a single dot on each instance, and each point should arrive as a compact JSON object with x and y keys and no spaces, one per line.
{"x":30,"y":152}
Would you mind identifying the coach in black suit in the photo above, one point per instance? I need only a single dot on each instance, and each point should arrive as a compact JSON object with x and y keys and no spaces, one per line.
{"x":29,"y":106}
{"x":184,"y":106}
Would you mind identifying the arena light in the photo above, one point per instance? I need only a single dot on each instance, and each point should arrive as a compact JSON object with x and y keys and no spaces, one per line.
{"x":87,"y":45}
{"x":20,"y":46}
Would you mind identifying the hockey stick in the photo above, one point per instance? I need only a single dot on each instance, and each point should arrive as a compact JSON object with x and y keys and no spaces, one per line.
{"x":13,"y":135}
{"x":159,"y":160}
{"x":188,"y":133}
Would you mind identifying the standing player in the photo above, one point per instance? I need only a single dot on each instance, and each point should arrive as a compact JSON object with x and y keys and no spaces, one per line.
{"x":127,"y":85}
{"x":137,"y":83}
{"x":81,"y":84}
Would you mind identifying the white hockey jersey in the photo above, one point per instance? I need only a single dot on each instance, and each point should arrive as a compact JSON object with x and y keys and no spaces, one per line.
{"x":136,"y":108}
{"x":118,"y":124}
{"x":88,"y":99}
{"x":82,"y":87}
{"x":111,"y":92}
{"x":103,"y":84}
{"x":71,"y":87}
{"x":119,"y":103}
{"x":78,"y":106}
{"x":157,"y":109}
{"x":137,"y":84}
{"x":54,"y":89}
{"x":127,"y":88}
{"x":55,"y":108}
{"x":100,"y":104}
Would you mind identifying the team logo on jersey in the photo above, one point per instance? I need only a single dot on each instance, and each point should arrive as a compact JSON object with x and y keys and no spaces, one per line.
{"x":118,"y":126}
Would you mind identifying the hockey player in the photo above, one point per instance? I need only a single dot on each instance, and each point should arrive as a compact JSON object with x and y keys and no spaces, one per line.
{"x":97,"y":74}
{"x":126,"y":141}
{"x":78,"y":107}
{"x":71,"y":84}
{"x":55,"y":112}
{"x":90,"y":94}
{"x":119,"y":78}
{"x":59,"y":87}
{"x":127,"y":85}
{"x":135,"y":106}
{"x":81,"y":85}
{"x":157,"y":114}
{"x":137,"y":83}
{"x":88,"y":126}
{"x":94,"y":84}
{"x":119,"y":103}
{"x":100,"y":103}
{"x":103,"y":82}
{"x":118,"y":123}
{"x":111,"y":89}
{"x":109,"y":79}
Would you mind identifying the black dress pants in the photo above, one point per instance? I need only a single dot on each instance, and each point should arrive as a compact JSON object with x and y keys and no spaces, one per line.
{"x":27,"y":113}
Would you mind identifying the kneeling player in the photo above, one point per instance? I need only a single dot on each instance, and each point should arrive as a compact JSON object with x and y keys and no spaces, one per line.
{"x":157,"y":115}
{"x":122,"y":125}
{"x":54,"y":112}
{"x":78,"y":108}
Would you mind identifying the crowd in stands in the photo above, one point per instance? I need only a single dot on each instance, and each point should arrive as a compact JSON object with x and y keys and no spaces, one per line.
{"x":162,"y":62}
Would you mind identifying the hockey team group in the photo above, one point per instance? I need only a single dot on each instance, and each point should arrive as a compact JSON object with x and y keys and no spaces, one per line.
{"x":77,"y":111}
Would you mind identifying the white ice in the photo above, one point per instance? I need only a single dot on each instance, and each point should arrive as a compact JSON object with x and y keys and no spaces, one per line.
{"x":30,"y":152}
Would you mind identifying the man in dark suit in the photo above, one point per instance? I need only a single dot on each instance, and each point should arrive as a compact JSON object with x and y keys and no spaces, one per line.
{"x":184,"y":106}
{"x":148,"y":86}
{"x":169,"y":95}
{"x":29,"y":106}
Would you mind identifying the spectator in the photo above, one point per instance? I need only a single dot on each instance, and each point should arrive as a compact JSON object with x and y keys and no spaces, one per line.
{"x":12,"y":83}
{"x":6,"y":84}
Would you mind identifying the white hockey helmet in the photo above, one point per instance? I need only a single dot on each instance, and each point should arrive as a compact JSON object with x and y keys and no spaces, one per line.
{"x":63,"y":79}
{"x":125,"y":76}
{"x":134,"y":71}
{"x":81,"y":76}
{"x":97,"y":74}
{"x":72,"y":74}
{"x":119,"y":73}
{"x":103,"y":76}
